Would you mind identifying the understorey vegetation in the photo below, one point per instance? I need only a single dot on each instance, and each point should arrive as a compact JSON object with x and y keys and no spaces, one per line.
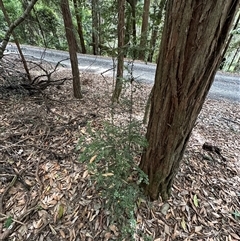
{"x":47,"y":193}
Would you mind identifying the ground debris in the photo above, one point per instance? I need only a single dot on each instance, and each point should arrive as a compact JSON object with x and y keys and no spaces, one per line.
{"x":38,"y":138}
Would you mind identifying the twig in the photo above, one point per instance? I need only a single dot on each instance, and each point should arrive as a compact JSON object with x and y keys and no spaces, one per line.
{"x":8,"y":232}
{"x":38,"y":179}
{"x":235,"y":122}
{"x":6,"y":217}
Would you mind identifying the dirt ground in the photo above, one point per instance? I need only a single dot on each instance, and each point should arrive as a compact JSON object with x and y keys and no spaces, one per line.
{"x":45,"y":190}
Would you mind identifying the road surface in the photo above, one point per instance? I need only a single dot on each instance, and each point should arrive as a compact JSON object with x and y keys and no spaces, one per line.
{"x":224,"y":86}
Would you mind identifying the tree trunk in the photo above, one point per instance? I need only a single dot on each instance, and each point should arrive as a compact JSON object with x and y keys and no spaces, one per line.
{"x":194,"y":37}
{"x":133,"y":31}
{"x":144,"y":30}
{"x":231,"y":35}
{"x":120,"y":64}
{"x":72,"y":45}
{"x":155,"y":30}
{"x":95,"y":27}
{"x":79,"y":26}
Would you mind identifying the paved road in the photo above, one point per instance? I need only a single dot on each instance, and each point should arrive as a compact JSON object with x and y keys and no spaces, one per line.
{"x":224,"y":86}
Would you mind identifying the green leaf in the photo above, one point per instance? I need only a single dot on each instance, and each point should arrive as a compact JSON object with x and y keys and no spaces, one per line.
{"x":60,"y":211}
{"x":8,"y":222}
{"x":195,"y":200}
{"x":183,"y":224}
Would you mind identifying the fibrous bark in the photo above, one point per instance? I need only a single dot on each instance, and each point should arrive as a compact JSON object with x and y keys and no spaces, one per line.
{"x":194,"y":37}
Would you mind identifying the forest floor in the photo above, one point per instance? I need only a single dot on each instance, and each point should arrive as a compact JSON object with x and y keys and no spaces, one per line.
{"x":46,"y":194}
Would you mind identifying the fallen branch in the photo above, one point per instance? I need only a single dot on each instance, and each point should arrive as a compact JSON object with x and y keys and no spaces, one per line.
{"x":6,"y":217}
{"x":235,"y":122}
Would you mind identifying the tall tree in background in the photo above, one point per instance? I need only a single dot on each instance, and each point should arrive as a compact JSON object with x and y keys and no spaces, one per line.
{"x":79,"y":26}
{"x":131,"y":29}
{"x":120,"y":64}
{"x":72,"y":45}
{"x":194,"y":37}
{"x":158,"y":11}
{"x":144,"y":30}
{"x":95,"y":26}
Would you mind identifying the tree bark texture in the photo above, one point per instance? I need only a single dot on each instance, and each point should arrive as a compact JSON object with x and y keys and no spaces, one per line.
{"x":194,"y":37}
{"x":72,"y":45}
{"x":14,"y":25}
{"x":120,"y":58}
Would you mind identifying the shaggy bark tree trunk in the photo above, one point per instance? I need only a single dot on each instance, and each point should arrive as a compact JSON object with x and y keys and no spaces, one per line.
{"x":72,"y":45}
{"x":194,"y":37}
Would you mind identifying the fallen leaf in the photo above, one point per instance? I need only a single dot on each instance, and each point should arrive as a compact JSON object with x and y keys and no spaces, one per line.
{"x":167,"y":229}
{"x":195,"y":200}
{"x":107,"y":174}
{"x":235,"y":236}
{"x":92,"y":159}
{"x":85,"y":174}
{"x":198,"y":228}
{"x":183,"y":224}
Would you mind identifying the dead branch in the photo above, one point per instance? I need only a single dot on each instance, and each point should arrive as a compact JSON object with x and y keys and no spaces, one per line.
{"x":235,"y":122}
{"x":16,"y":80}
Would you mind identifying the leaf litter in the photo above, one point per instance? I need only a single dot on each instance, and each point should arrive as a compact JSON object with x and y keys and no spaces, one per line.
{"x":46,"y":193}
